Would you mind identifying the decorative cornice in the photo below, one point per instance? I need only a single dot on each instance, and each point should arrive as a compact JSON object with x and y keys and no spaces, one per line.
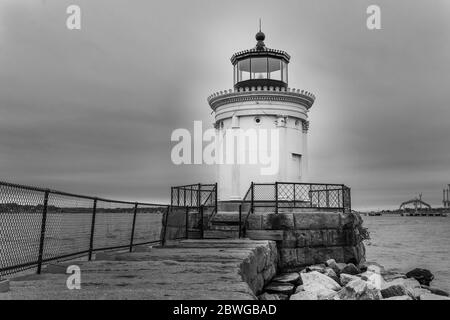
{"x":255,"y":52}
{"x":293,"y":95}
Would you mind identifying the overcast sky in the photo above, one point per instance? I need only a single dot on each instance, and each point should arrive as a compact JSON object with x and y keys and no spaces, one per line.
{"x":91,"y":111}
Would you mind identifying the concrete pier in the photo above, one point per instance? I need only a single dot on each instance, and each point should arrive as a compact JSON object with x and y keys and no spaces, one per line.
{"x":189,"y":269}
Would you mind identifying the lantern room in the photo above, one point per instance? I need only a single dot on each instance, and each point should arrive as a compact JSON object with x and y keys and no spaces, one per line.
{"x":260,"y":66}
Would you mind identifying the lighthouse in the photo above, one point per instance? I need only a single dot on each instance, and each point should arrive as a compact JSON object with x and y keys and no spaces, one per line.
{"x":267,"y":117}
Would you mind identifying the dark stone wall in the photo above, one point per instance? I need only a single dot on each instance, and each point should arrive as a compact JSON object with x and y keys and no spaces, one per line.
{"x":306,"y":238}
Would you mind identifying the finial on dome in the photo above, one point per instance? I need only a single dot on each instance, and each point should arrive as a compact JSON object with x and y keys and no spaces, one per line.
{"x":260,"y":37}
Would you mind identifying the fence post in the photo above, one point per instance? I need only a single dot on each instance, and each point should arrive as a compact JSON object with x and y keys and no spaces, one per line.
{"x":349,"y":199}
{"x":252,"y":197}
{"x":327,"y":193}
{"x":184,"y":195}
{"x":91,"y":239}
{"x":133,"y":226}
{"x":171,"y":196}
{"x":276,"y":197}
{"x":240,"y":221}
{"x":199,"y":198}
{"x":201,"y":222}
{"x":178,"y":196}
{"x":215,"y":197}
{"x":294,"y":194}
{"x":166,"y":220}
{"x":43,"y":223}
{"x":187,"y":223}
{"x":343,"y":198}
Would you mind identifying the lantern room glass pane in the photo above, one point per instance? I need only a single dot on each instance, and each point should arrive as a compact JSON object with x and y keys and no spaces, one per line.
{"x":259,"y":68}
{"x":284,"y":72}
{"x":243,"y":72}
{"x":275,"y":69}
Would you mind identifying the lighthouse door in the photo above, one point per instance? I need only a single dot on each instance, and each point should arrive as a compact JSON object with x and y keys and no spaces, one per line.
{"x":296,"y":167}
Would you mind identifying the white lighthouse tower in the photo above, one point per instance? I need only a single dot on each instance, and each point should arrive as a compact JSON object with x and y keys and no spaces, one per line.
{"x":261,"y":102}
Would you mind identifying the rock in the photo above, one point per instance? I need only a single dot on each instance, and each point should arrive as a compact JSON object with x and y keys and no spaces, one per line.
{"x":430,"y":296}
{"x":315,"y":277}
{"x":390,"y":275}
{"x":374,"y":279}
{"x":293,"y":278}
{"x":330,"y":262}
{"x":350,"y":269}
{"x":304,"y":295}
{"x":279,"y":287}
{"x":318,"y":290}
{"x":317,"y":267}
{"x":424,"y":276}
{"x":330,"y":273}
{"x":394,"y":291}
{"x":399,"y":298}
{"x":359,"y":290}
{"x":371,"y":266}
{"x":408,"y":283}
{"x":434,"y":290}
{"x":346,"y":278}
{"x":299,"y":288}
{"x":268,"y":296}
{"x":282,"y":296}
{"x":333,"y":265}
{"x":417,"y":292}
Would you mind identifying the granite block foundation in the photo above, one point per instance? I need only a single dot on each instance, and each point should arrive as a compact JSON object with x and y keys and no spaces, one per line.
{"x":305,"y":238}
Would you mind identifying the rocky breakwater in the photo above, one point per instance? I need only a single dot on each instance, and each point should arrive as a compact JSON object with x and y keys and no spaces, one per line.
{"x":341,"y":281}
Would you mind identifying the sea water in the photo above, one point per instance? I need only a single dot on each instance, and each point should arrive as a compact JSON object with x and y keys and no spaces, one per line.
{"x":405,"y":243}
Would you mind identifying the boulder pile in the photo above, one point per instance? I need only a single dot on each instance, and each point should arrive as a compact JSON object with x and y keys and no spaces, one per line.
{"x":341,"y":281}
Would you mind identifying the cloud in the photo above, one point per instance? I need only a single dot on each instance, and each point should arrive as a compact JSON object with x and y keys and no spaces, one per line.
{"x":92,"y":111}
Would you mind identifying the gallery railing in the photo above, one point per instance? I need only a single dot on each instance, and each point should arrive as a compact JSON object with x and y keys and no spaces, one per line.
{"x":38,"y":226}
{"x":283,"y":195}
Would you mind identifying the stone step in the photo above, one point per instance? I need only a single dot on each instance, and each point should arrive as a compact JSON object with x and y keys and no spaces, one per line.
{"x":224,"y":227}
{"x":219,"y":234}
{"x":226,"y":217}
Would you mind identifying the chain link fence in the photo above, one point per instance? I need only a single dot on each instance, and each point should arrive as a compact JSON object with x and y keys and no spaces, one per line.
{"x":41,"y":225}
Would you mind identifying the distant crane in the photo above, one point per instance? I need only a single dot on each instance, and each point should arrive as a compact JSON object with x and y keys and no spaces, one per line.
{"x":445,"y":198}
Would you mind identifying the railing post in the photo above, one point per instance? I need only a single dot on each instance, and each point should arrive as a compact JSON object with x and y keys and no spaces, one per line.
{"x":184,"y":195}
{"x":327,"y":196}
{"x":294,"y":194}
{"x":187,"y":223}
{"x":252,"y":197}
{"x":133,"y":226}
{"x":215,"y":198}
{"x":43,"y":223}
{"x":276,"y":197}
{"x":240,"y":221}
{"x":199,"y":198}
{"x":91,"y":240}
{"x":178,"y":196}
{"x":163,"y":240}
{"x":171,"y":196}
{"x":201,"y":222}
{"x":349,"y":199}
{"x":343,"y":198}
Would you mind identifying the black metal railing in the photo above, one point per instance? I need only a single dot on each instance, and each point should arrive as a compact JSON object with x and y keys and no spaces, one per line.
{"x":200,"y":203}
{"x":284,"y":195}
{"x":194,"y":195}
{"x":41,"y":225}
